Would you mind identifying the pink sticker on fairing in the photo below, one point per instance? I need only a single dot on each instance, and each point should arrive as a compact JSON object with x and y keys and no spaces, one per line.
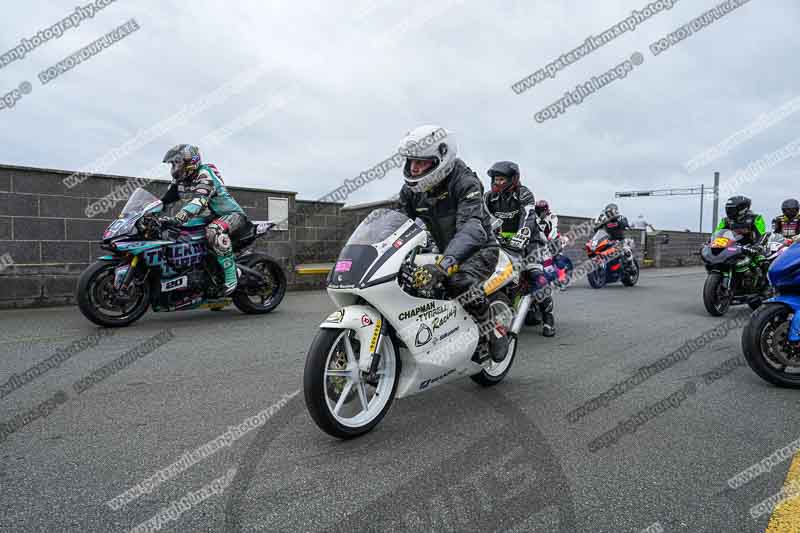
{"x":344,"y":266}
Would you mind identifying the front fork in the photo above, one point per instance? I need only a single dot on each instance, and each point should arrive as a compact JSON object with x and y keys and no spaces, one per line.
{"x":375,"y":357}
{"x":123,"y":275}
{"x":727,"y":280}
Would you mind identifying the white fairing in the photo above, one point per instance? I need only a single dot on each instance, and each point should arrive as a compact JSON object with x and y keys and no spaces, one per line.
{"x":439,"y":336}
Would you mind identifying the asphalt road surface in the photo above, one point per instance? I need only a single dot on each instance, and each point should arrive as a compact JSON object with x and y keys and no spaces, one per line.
{"x":457,"y":458}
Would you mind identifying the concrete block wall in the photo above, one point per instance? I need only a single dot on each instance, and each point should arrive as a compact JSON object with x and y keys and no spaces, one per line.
{"x":45,"y":231}
{"x":676,"y":248}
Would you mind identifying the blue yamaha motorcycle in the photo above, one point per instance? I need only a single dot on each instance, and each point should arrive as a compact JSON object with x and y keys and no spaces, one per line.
{"x":171,"y":269}
{"x":771,"y":339}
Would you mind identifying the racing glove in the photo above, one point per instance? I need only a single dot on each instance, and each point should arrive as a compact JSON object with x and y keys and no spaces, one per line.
{"x":753,"y":249}
{"x":521,"y":239}
{"x":427,"y":277}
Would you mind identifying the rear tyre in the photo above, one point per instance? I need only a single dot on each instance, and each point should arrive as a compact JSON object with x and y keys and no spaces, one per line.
{"x":716,"y":298}
{"x":496,"y":372}
{"x":266,"y":297}
{"x":105,"y":306}
{"x":767,"y":349}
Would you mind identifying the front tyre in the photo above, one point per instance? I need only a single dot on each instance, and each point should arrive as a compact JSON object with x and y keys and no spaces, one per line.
{"x":104,"y":305}
{"x":260,"y":298}
{"x":597,"y":277}
{"x":767,"y":348}
{"x":630,"y":279}
{"x":338,"y":395}
{"x":716,"y":298}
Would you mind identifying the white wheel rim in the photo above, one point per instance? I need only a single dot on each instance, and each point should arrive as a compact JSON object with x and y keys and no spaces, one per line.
{"x":496,"y":369}
{"x":357,"y":403}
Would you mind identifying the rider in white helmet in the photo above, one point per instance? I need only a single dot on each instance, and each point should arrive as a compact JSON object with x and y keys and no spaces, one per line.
{"x":442,"y":191}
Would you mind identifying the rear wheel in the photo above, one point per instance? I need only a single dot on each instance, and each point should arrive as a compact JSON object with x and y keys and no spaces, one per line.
{"x":767,"y":348}
{"x":339,"y":396}
{"x":106,"y":306}
{"x":716,"y":297}
{"x":258,"y":299}
{"x":495,"y":372}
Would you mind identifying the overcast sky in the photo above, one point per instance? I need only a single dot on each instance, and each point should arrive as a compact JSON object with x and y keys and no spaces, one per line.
{"x":333,"y":86}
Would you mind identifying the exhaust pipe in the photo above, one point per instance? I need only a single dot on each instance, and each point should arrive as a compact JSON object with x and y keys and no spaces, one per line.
{"x":522,"y":311}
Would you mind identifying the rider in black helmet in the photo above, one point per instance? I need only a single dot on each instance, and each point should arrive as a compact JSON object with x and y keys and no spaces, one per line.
{"x":788,"y":224}
{"x":513,"y":204}
{"x":615,"y":225}
{"x":742,"y":221}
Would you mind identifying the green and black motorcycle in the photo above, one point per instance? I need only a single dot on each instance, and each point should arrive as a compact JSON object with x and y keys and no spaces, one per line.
{"x":737,"y":273}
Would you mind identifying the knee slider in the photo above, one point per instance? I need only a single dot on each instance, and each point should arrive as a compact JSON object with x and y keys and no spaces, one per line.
{"x":218,"y":238}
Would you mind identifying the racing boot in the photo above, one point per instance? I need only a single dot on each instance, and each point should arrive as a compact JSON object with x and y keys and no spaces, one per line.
{"x":228,"y":265}
{"x":496,"y":335}
{"x":498,"y":344}
{"x":548,"y":321}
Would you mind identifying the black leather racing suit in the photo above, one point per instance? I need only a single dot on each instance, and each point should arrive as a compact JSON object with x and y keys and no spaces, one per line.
{"x":510,"y":208}
{"x":453,"y":213}
{"x":615,"y":227}
{"x":515,"y":209}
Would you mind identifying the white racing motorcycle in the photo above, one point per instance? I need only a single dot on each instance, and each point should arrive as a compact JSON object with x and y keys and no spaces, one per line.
{"x":386,"y":341}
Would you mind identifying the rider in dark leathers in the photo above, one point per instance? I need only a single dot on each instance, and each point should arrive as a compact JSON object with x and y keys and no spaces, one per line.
{"x":615,"y":225}
{"x":443,"y":192}
{"x":788,"y":223}
{"x":513,"y":203}
{"x":202,"y":185}
{"x":742,"y":221}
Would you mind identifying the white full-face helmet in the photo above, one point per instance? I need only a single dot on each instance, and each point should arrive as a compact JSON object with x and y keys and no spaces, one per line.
{"x":428,"y":143}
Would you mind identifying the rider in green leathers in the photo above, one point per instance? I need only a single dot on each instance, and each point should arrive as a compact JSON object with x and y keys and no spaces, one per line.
{"x":742,"y":221}
{"x":208,"y":197}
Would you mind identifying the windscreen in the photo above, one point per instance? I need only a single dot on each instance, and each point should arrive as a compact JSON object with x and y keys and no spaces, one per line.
{"x":724,"y":237}
{"x":600,"y":236}
{"x":139,"y":201}
{"x":378,"y":225}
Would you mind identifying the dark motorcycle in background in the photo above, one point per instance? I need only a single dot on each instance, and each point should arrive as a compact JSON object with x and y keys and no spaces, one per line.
{"x":771,"y":338}
{"x":607,"y":257}
{"x":171,"y":269}
{"x":737,"y":274}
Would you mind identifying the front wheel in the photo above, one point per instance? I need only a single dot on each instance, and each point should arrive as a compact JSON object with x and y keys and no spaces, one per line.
{"x":104,"y":305}
{"x":260,"y":298}
{"x":767,"y":348}
{"x":630,"y":279}
{"x":597,"y":277}
{"x":716,"y":297}
{"x":340,"y":397}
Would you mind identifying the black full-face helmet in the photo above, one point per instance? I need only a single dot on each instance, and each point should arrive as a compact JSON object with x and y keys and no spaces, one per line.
{"x":736,"y":207}
{"x":504,"y":169}
{"x":611,"y":210}
{"x":790,"y":208}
